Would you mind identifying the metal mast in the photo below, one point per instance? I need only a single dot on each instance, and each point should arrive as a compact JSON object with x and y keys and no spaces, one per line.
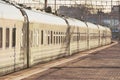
{"x":45,"y":6}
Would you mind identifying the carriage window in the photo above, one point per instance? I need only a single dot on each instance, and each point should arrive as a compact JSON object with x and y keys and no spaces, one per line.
{"x":42,"y":37}
{"x":59,"y":40}
{"x":37,"y":37}
{"x":7,"y":37}
{"x":48,"y":39}
{"x":51,"y":37}
{"x":13,"y":37}
{"x":54,"y":39}
{"x":21,"y":43}
{"x":0,"y":37}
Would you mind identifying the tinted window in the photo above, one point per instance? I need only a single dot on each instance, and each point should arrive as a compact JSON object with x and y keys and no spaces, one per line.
{"x":48,"y":40}
{"x":42,"y":37}
{"x":0,"y":37}
{"x":51,"y":37}
{"x":13,"y":37}
{"x":7,"y":37}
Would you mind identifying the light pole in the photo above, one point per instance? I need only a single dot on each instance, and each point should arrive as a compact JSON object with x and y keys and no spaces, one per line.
{"x":55,"y":7}
{"x":119,"y":22}
{"x":99,"y":16}
{"x":111,"y":17}
{"x":45,"y":6}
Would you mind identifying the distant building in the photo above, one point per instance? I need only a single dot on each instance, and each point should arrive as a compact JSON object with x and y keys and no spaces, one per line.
{"x":115,"y":9}
{"x":34,"y":4}
{"x":79,"y":12}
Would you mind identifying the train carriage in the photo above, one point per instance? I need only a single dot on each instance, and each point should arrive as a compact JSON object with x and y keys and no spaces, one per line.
{"x":47,"y":37}
{"x":78,"y":35}
{"x":108,"y":36}
{"x":29,"y":37}
{"x":93,"y":35}
{"x":102,"y":35}
{"x":12,"y":56}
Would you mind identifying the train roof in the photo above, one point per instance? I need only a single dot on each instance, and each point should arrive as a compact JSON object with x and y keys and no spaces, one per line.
{"x":8,"y":11}
{"x":101,"y":27}
{"x":2,"y":1}
{"x":108,"y":29}
{"x":42,"y":17}
{"x":75,"y":22}
{"x":91,"y":25}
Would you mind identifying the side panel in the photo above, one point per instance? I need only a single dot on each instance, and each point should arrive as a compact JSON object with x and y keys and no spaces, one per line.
{"x":47,"y":42}
{"x":11,"y":54}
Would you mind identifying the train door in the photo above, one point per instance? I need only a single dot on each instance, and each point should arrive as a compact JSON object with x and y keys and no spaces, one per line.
{"x":19,"y":44}
{"x":14,"y":46}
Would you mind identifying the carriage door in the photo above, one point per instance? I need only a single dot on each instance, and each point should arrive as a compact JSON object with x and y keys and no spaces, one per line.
{"x":19,"y":48}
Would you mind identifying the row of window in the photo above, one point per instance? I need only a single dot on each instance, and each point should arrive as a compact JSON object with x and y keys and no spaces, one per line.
{"x":79,"y":38}
{"x":1,"y":37}
{"x":50,"y":37}
{"x":7,"y":37}
{"x":94,"y":37}
{"x":40,"y":37}
{"x":97,"y":37}
{"x":56,"y":39}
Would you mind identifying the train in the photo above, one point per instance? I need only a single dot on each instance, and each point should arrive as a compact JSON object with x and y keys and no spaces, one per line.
{"x":30,"y":37}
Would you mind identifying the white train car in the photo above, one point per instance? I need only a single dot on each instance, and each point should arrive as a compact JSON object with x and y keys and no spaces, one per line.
{"x":101,"y":28}
{"x":108,"y":36}
{"x":78,"y":35}
{"x":28,"y":37}
{"x":102,"y":35}
{"x":47,"y":37}
{"x":12,"y":56}
{"x":93,"y":35}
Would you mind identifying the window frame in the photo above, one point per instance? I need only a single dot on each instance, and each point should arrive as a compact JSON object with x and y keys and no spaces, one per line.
{"x":1,"y":37}
{"x":13,"y":37}
{"x":7,"y":41}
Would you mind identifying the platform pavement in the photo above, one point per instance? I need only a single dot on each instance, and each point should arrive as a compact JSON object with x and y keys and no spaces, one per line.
{"x":35,"y":72}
